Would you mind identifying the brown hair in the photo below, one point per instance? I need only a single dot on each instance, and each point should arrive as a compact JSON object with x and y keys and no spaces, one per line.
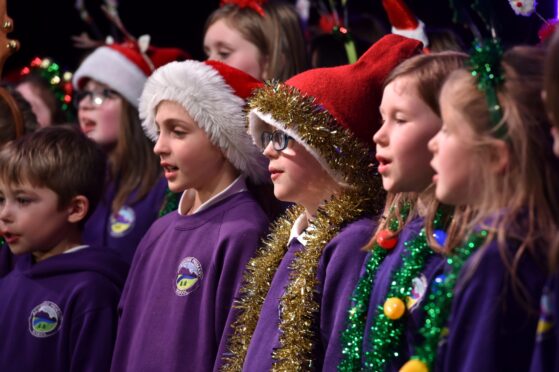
{"x":429,"y":72}
{"x":551,"y":80}
{"x":7,"y":120}
{"x":60,"y":158}
{"x":277,"y":35}
{"x":522,"y":201}
{"x":133,"y":165}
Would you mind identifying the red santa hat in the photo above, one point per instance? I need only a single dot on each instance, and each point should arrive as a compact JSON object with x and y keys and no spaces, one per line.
{"x":125,"y":67}
{"x":404,"y":22}
{"x":333,"y":112}
{"x":214,"y":94}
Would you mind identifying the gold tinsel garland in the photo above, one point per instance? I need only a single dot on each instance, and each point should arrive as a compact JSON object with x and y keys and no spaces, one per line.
{"x":257,"y":279}
{"x":298,"y":303}
{"x":351,"y":160}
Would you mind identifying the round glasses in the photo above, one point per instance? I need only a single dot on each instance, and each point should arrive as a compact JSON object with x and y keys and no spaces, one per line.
{"x":278,"y":138}
{"x":96,"y":97}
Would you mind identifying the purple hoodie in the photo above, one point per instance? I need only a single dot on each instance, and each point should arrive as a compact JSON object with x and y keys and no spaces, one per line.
{"x":60,"y":314}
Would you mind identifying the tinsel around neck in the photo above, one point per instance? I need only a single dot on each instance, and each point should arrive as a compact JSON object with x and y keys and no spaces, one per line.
{"x":298,"y":318}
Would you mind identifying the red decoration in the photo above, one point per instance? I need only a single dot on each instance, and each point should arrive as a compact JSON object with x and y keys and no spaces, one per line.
{"x":547,"y":30}
{"x":401,"y":17}
{"x":255,"y":5}
{"x":326,"y":23}
{"x":387,"y":240}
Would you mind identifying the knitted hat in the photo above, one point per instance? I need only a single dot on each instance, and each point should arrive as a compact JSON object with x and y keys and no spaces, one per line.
{"x":214,"y":94}
{"x":124,"y":67}
{"x":404,"y":22}
{"x":333,"y":112}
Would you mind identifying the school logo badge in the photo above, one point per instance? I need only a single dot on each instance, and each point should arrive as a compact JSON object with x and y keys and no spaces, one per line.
{"x":189,"y":276}
{"x":45,"y":319}
{"x":546,"y":321}
{"x":122,"y":222}
{"x":419,"y":288}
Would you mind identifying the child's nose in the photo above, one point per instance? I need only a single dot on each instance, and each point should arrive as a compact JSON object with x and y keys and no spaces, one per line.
{"x":5,"y":214}
{"x":432,"y":145}
{"x":269,"y":150}
{"x":379,"y":138}
{"x":160,"y":146}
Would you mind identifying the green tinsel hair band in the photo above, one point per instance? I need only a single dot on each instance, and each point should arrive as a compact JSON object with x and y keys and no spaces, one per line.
{"x":485,"y":66}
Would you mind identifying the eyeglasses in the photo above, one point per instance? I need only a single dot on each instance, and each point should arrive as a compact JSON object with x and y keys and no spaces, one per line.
{"x":96,"y":97}
{"x":278,"y":138}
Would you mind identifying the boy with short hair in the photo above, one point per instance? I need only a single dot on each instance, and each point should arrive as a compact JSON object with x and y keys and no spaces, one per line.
{"x":59,"y":303}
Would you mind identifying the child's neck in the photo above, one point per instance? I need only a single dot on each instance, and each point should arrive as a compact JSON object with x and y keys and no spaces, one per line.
{"x":211,"y":189}
{"x":72,"y":238}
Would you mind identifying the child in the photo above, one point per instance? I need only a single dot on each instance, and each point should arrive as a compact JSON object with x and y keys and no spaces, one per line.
{"x":176,"y":304}
{"x":263,"y":40}
{"x":109,"y":83}
{"x":59,"y":304}
{"x":316,"y":130}
{"x":492,"y":156}
{"x":411,"y":116}
{"x":546,"y":356}
{"x":16,"y":119}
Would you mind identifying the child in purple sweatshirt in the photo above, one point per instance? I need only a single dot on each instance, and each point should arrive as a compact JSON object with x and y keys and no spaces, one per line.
{"x":176,"y":305}
{"x":316,"y":130}
{"x":59,"y":303}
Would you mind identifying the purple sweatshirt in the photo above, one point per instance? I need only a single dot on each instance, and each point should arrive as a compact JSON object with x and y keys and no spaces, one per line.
{"x":433,"y":267}
{"x":489,"y":329}
{"x":123,"y":232}
{"x":176,"y":305}
{"x":546,"y":351}
{"x":7,"y":259}
{"x":338,"y":272}
{"x":60,"y":314}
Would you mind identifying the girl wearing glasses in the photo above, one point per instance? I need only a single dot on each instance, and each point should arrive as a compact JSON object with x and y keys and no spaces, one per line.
{"x":316,"y":131}
{"x":109,"y":83}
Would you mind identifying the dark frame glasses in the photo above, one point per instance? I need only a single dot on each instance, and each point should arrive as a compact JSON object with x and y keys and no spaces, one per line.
{"x":278,"y":138}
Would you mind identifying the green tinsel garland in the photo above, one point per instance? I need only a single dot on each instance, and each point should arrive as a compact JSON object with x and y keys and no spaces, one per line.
{"x":437,"y":306}
{"x":485,"y":66}
{"x":387,"y":333}
{"x":170,"y":202}
{"x":352,"y":336}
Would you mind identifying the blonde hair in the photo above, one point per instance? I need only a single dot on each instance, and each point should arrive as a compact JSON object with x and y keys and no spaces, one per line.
{"x":277,"y":35}
{"x":521,"y":201}
{"x":428,"y":72}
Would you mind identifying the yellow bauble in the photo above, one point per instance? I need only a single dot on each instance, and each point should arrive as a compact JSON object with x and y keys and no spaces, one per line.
{"x":414,"y":365}
{"x":394,"y":308}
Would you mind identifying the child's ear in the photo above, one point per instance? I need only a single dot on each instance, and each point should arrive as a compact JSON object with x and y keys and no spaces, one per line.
{"x":78,"y":208}
{"x":500,"y":156}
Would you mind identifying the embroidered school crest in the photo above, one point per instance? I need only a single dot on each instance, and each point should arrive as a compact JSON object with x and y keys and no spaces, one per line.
{"x":419,"y":288}
{"x":122,"y":222}
{"x":189,"y":276}
{"x":45,"y":319}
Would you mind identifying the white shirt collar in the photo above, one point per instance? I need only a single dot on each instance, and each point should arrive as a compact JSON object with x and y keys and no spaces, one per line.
{"x":300,"y":230}
{"x":77,"y":248}
{"x":239,"y":185}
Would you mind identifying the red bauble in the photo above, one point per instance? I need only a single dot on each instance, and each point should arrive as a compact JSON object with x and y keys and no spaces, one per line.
{"x":386,"y":240}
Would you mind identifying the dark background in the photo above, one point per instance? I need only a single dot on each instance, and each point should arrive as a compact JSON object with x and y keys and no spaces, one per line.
{"x":44,"y":27}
